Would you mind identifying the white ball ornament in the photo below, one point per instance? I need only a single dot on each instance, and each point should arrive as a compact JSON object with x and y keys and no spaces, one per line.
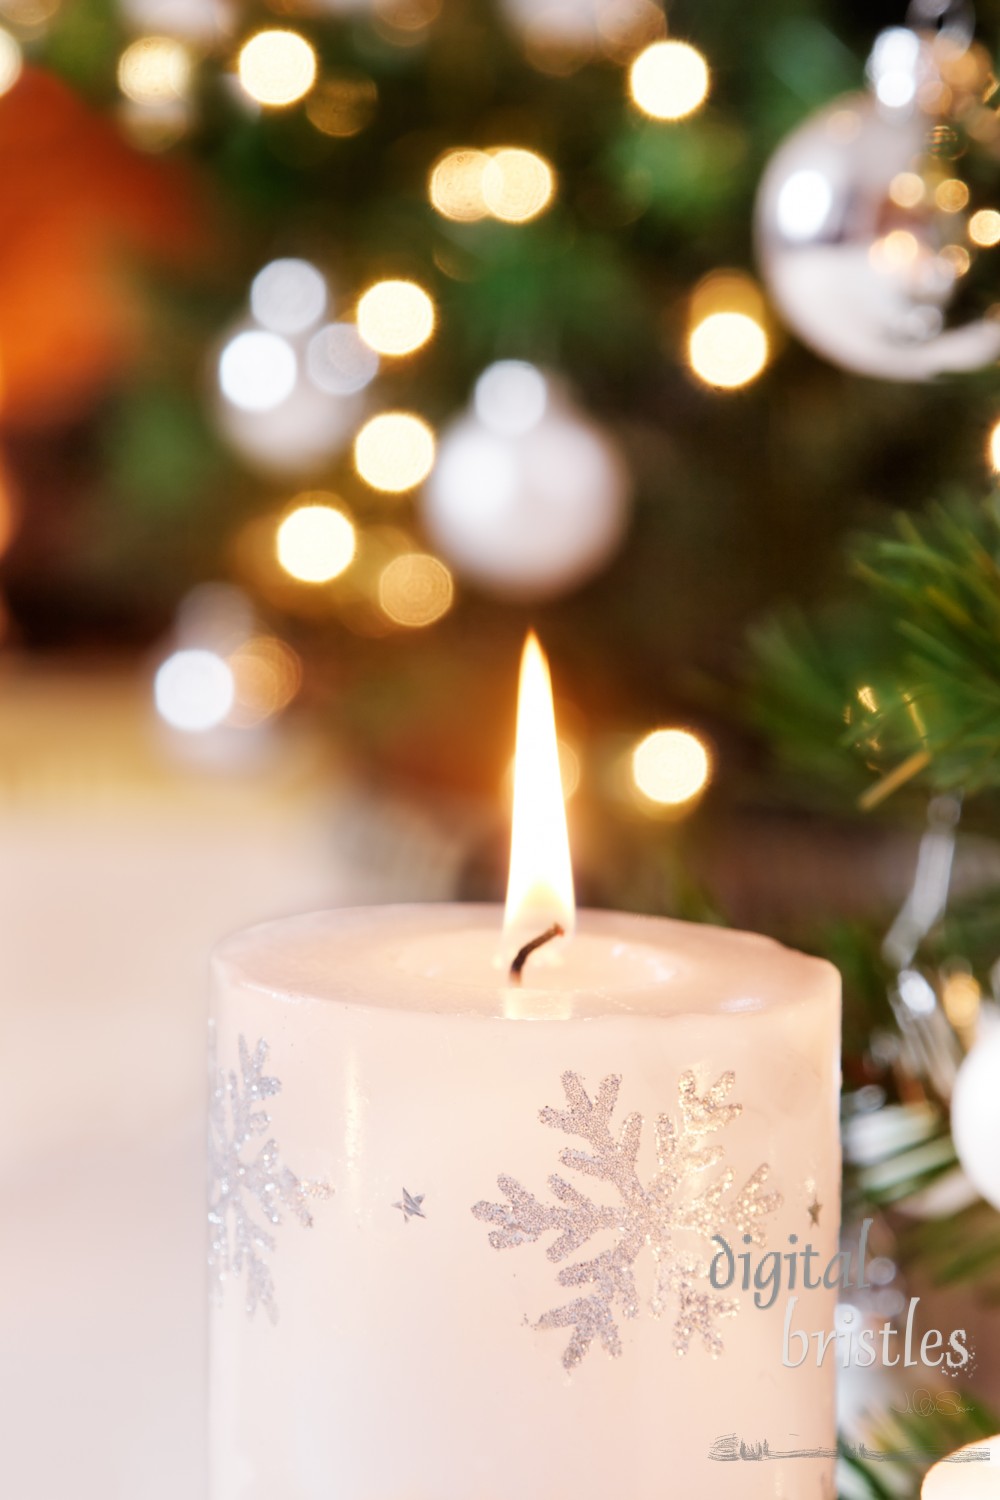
{"x":528,"y":499}
{"x":582,"y":27}
{"x":861,"y":259}
{"x":277,"y":404}
{"x":975,"y":1116}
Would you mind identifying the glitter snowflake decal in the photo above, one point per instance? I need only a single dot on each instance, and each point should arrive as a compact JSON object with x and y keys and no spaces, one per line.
{"x":680,"y":1205}
{"x":247,"y":1186}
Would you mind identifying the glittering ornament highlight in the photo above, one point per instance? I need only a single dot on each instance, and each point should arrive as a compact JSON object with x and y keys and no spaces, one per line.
{"x":247,"y":1186}
{"x":680,"y":1206}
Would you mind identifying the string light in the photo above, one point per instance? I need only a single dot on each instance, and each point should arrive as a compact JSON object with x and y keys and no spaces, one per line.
{"x":316,"y":543}
{"x":961,"y":997}
{"x":994,"y":447}
{"x":894,"y":251}
{"x":267,"y":675}
{"x":957,"y":258}
{"x":257,"y":370}
{"x":670,"y":766}
{"x":404,"y":21}
{"x":277,"y":68}
{"x":509,"y":183}
{"x":11,"y":61}
{"x":415,"y":589}
{"x":984,"y":227}
{"x":194,"y":691}
{"x":907,"y":189}
{"x":396,"y":317}
{"x":343,"y":105}
{"x":394,"y":451}
{"x":29,"y":14}
{"x":517,"y":184}
{"x":727,"y":349}
{"x":951,"y":195}
{"x":669,"y":80}
{"x":154,"y":70}
{"x":455,"y":186}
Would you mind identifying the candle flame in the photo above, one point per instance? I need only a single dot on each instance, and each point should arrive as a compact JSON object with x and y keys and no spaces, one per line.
{"x":540,"y":885}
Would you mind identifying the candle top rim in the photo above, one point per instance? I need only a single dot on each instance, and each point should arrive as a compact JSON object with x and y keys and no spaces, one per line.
{"x":629,"y":965}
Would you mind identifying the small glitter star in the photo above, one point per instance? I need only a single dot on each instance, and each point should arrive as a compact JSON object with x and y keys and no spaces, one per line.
{"x":815,"y":1208}
{"x":410,"y":1206}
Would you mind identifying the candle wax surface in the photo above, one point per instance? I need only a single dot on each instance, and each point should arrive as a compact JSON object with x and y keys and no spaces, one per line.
{"x":447,"y":960}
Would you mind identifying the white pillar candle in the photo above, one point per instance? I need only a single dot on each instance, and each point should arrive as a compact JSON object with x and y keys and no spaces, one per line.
{"x":462,"y":1228}
{"x":971,"y":1473}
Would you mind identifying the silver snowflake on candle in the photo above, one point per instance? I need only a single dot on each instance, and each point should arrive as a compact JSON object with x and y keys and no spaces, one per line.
{"x":674,"y":1216}
{"x":250,"y":1189}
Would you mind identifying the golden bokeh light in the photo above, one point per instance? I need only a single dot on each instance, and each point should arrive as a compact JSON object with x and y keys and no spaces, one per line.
{"x":395,"y":317}
{"x":726,"y":291}
{"x":455,"y":186}
{"x":154,"y":70}
{"x":961,"y":996}
{"x":727,"y":349}
{"x":394,"y":451}
{"x":11,"y":61}
{"x":994,"y":447}
{"x":415,"y":589}
{"x":315,"y":543}
{"x":957,"y":257}
{"x":277,"y":67}
{"x":984,"y":227}
{"x":28,"y":14}
{"x":669,"y":80}
{"x":894,"y":251}
{"x":267,"y":675}
{"x":342,"y":105}
{"x":405,"y":16}
{"x":951,"y":195}
{"x":517,"y":184}
{"x":670,"y":767}
{"x":907,"y":189}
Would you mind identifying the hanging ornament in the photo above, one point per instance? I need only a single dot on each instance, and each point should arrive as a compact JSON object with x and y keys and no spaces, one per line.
{"x":975,"y":1115}
{"x":290,"y":384}
{"x":558,"y":35}
{"x":205,"y":23}
{"x":872,"y":240}
{"x":273,"y":413}
{"x":528,"y":498}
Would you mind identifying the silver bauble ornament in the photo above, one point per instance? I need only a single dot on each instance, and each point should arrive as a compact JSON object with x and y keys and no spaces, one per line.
{"x":865,"y":279}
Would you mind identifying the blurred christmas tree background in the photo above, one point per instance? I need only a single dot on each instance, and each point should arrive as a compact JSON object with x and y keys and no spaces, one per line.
{"x":412,"y":323}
